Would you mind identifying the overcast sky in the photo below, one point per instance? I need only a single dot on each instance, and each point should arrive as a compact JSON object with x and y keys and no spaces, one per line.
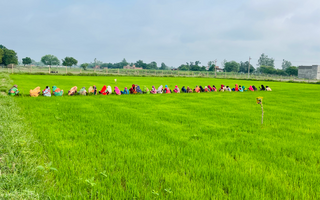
{"x":169,"y":31}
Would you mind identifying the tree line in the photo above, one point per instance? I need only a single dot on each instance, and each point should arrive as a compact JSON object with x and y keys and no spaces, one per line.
{"x":265,"y":64}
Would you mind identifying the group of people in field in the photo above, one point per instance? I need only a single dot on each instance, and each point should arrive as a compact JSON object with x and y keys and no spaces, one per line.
{"x":135,"y":89}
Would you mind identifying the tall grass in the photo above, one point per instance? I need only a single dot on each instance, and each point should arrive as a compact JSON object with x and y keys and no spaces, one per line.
{"x":175,"y":146}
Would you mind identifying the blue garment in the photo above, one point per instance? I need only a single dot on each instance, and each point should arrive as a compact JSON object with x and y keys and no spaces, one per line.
{"x":184,"y":89}
{"x":125,"y":91}
{"x":139,"y":90}
{"x":240,"y":89}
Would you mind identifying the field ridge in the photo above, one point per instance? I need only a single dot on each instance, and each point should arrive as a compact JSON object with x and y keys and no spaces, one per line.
{"x":18,"y":158}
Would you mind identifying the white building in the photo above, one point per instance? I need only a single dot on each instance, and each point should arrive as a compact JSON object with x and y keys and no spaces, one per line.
{"x":309,"y":72}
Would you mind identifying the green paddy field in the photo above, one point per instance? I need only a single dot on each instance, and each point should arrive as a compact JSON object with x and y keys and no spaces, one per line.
{"x":170,"y":146}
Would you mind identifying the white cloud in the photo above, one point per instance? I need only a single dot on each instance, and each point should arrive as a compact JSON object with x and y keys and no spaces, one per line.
{"x":173,"y":32}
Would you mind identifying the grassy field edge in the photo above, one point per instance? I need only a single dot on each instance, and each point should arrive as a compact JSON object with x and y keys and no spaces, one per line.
{"x":18,"y":155}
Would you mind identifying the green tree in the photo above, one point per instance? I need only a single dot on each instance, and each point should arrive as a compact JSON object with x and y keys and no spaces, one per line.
{"x":195,"y":68}
{"x":244,"y":67}
{"x":184,"y":67}
{"x":9,"y":57}
{"x":285,"y":64}
{"x":50,"y":60}
{"x":69,"y":61}
{"x":141,"y":64}
{"x":152,"y":65}
{"x":267,"y":70}
{"x":26,"y":61}
{"x":164,"y":67}
{"x":123,"y":63}
{"x":281,"y":72}
{"x":197,"y":63}
{"x":264,"y":60}
{"x":203,"y":68}
{"x":84,"y":66}
{"x":231,"y":66}
{"x":211,"y":68}
{"x":1,"y":55}
{"x":292,"y":71}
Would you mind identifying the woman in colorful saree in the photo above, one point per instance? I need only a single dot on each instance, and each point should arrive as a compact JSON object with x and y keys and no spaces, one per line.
{"x":237,"y":88}
{"x":167,"y":90}
{"x":159,"y":90}
{"x":72,"y":91}
{"x":35,"y":92}
{"x":197,"y":89}
{"x":14,"y":91}
{"x":145,"y":90}
{"x":268,"y":89}
{"x":125,"y":91}
{"x":244,"y":88}
{"x":109,"y":90}
{"x":153,"y":90}
{"x":214,"y":88}
{"x":176,"y":89}
{"x":93,"y":90}
{"x":251,"y":88}
{"x":138,"y":89}
{"x":83,"y":91}
{"x":222,"y":88}
{"x":117,"y":91}
{"x":201,"y":88}
{"x":46,"y":92}
{"x":56,"y":91}
{"x":189,"y":90}
{"x":133,"y":89}
{"x":103,"y":90}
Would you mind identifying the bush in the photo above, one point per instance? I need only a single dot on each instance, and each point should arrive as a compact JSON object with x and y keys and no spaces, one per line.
{"x":69,"y":74}
{"x":40,"y":73}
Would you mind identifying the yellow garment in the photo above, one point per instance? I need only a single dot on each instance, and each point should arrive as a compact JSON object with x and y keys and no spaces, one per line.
{"x":72,"y":91}
{"x":35,"y":92}
{"x":91,"y":90}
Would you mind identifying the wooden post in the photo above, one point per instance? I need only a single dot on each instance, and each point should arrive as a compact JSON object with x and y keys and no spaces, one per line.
{"x":12,"y":68}
{"x":49,"y":69}
{"x":80,"y":70}
{"x":95,"y":69}
{"x":162,"y":72}
{"x":262,"y":114}
{"x":66,"y":70}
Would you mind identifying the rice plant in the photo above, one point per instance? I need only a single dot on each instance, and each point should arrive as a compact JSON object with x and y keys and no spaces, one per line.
{"x":175,"y":146}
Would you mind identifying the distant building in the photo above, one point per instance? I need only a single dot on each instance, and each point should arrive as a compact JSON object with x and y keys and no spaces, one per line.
{"x":309,"y":72}
{"x":131,"y":67}
{"x":219,"y":69}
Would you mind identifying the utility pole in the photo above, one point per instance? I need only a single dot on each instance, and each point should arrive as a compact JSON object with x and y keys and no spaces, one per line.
{"x":215,"y":68}
{"x":249,"y":67}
